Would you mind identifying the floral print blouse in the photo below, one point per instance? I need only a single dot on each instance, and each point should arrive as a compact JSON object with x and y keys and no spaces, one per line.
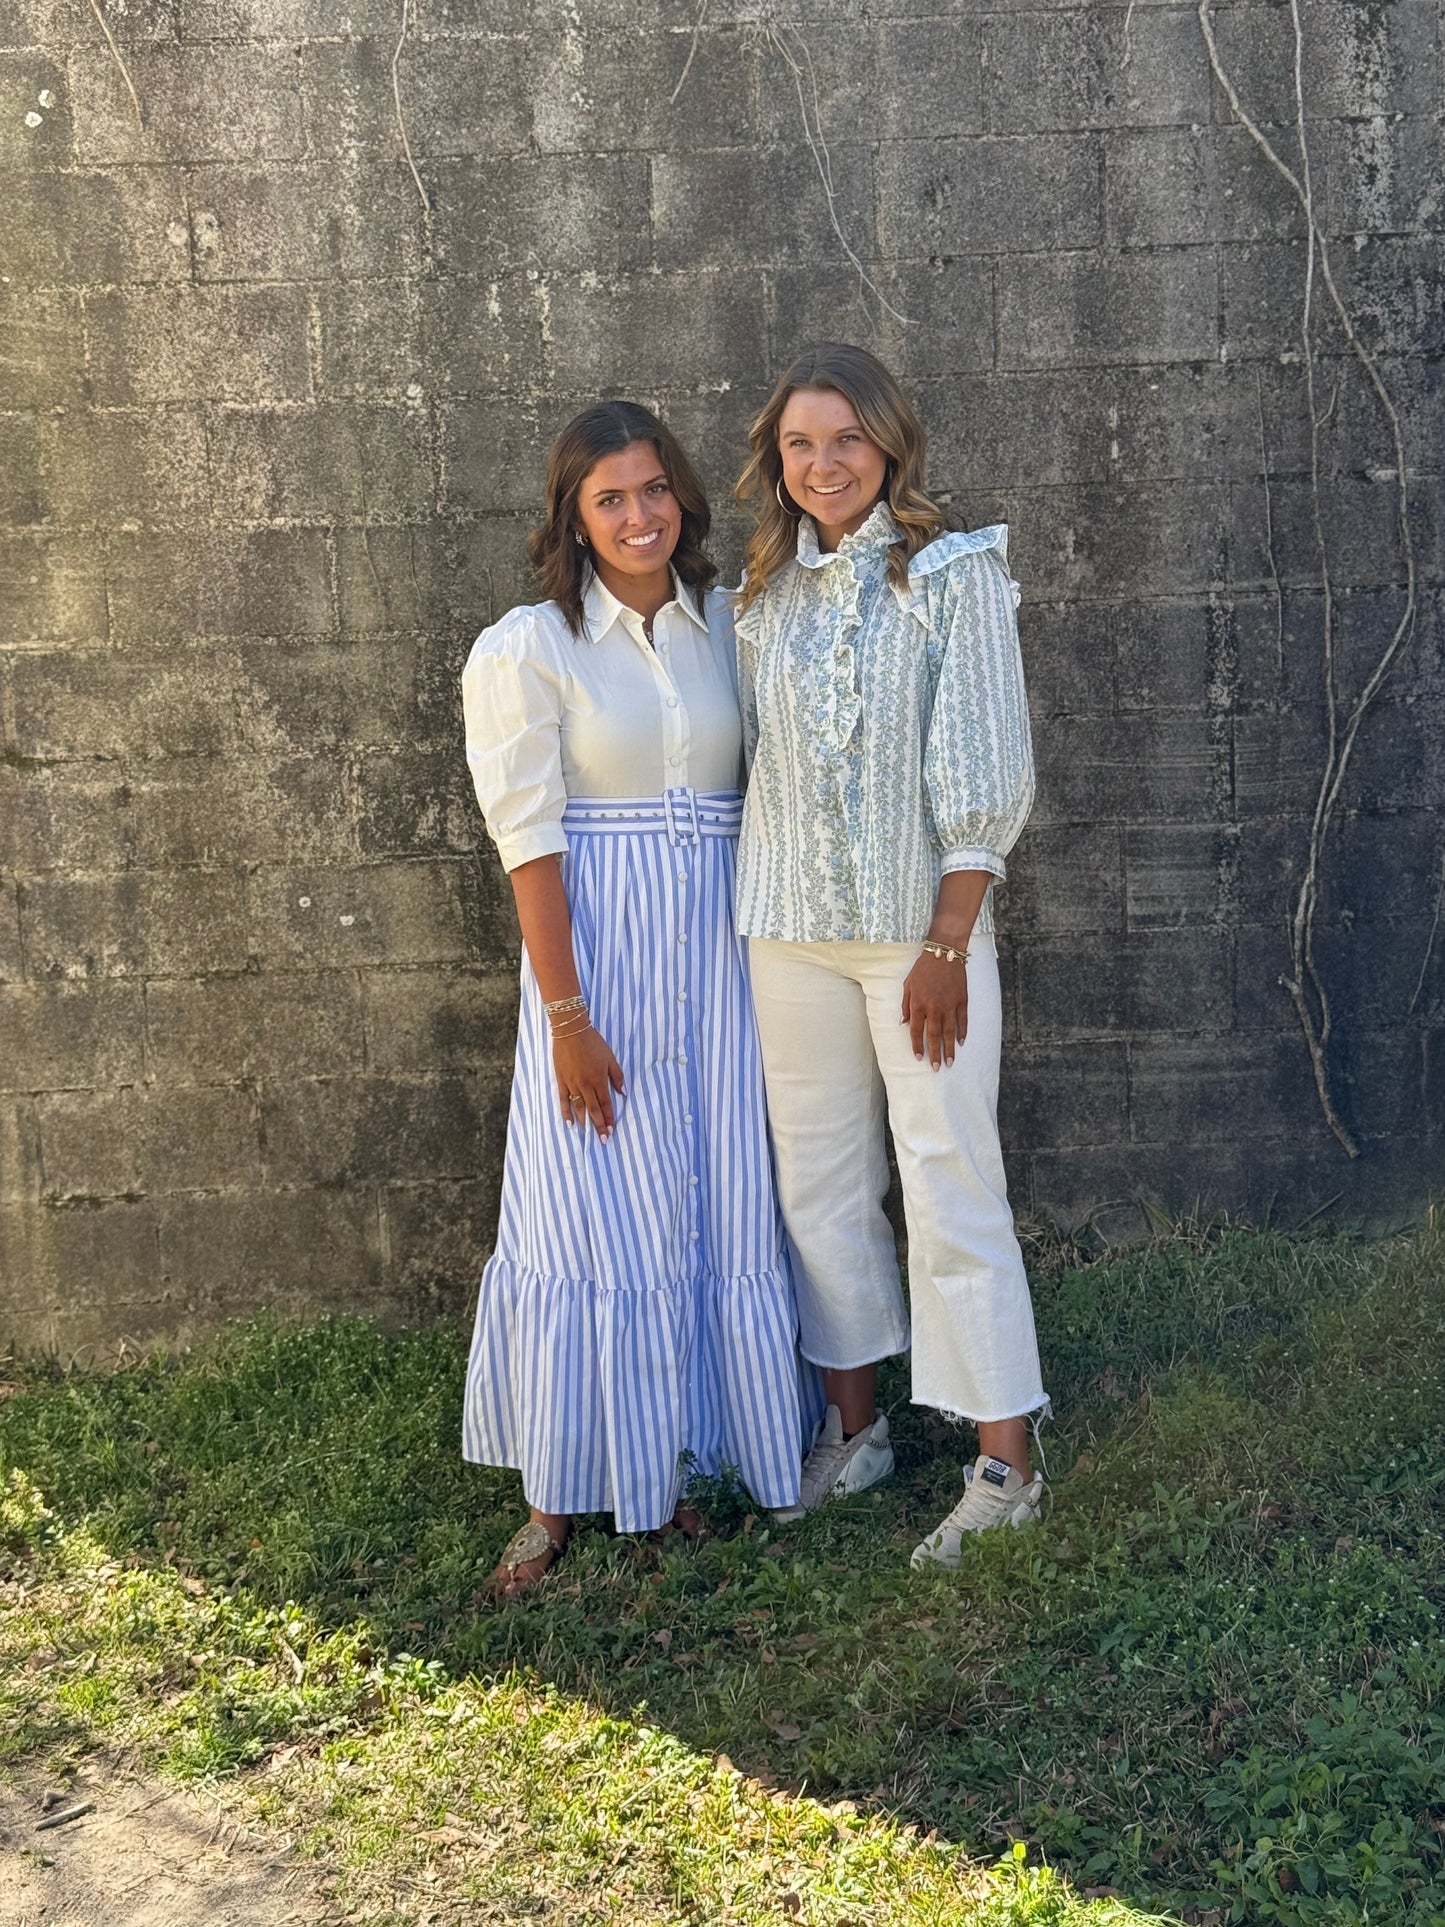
{"x":886,"y":732}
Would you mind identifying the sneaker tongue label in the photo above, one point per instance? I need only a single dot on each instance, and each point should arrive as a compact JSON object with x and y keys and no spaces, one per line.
{"x":995,"y":1472}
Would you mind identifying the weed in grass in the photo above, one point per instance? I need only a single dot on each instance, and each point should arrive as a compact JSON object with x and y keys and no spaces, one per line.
{"x":1212,"y":1679}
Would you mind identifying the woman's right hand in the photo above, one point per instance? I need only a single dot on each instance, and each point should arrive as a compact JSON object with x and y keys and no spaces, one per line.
{"x":587,"y":1075}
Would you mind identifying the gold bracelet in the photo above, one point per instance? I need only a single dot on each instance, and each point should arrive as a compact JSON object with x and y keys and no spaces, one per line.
{"x":945,"y":951}
{"x":573,"y":1030}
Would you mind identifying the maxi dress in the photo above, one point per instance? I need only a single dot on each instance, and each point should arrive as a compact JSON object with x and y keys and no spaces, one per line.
{"x":636,"y":1321}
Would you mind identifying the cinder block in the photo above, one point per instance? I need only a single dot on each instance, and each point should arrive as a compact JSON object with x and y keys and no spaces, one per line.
{"x":433,"y":1020}
{"x":988,"y":196}
{"x":1355,"y":64}
{"x":201,"y":104}
{"x":744,"y":209}
{"x":12,"y":959}
{"x":292,"y":1251}
{"x":1194,"y":1090}
{"x":1117,"y":986}
{"x":456,"y":98}
{"x":242,"y":812}
{"x":97,"y":704}
{"x":19,"y":1153}
{"x":556,"y":213}
{"x":655,"y":331}
{"x":63,"y":819}
{"x":1068,"y":1094}
{"x":438,"y":1236}
{"x":46,"y":1249}
{"x":416,"y":803}
{"x":600,"y":94}
{"x":370,"y":338}
{"x":494,"y":453}
{"x":221,"y":1029}
{"x":1380,"y":176}
{"x":95,"y":227}
{"x":378,"y":913}
{"x":25,"y":462}
{"x":294,"y":20}
{"x":191,"y":344}
{"x":1179,"y":875}
{"x":337,"y":1131}
{"x":1278,"y":759}
{"x":1082,"y":310}
{"x":221,"y":582}
{"x":947,"y":306}
{"x":484,"y":336}
{"x":1174,"y":186}
{"x":70,"y":1036}
{"x":1164,"y":539}
{"x":115,"y":467}
{"x":1079,"y":70}
{"x":434,"y":576}
{"x":1064,"y":878}
{"x":99,"y":1144}
{"x":295,"y":698}
{"x":312,"y":221}
{"x":140,"y":923}
{"x":36,"y":126}
{"x":28,"y":24}
{"x":353,"y":459}
{"x":1145,"y":766}
{"x":53,"y":590}
{"x":911,"y":88}
{"x":44,"y":361}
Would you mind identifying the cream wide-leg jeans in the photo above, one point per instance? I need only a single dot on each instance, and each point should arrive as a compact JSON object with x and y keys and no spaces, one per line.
{"x":836,"y":1057}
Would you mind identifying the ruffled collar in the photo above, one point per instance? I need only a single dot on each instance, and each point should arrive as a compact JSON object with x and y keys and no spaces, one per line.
{"x":875,"y":535}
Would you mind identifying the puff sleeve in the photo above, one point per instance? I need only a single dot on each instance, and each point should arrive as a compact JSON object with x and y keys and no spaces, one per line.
{"x":978,"y":767}
{"x":512,"y":693}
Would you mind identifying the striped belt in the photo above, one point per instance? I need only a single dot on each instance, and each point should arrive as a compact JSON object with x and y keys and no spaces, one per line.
{"x":682,"y":815}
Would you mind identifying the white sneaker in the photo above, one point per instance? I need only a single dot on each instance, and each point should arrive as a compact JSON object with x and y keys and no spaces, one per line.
{"x":836,"y":1464}
{"x":994,"y":1494}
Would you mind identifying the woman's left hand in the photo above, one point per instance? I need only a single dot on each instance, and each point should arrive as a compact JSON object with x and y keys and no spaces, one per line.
{"x":935,"y":1007}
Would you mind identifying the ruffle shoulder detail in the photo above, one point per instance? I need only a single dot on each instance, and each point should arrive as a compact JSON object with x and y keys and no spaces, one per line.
{"x":933,"y":561}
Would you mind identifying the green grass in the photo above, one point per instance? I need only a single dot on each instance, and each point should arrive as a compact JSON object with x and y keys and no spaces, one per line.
{"x":1211,"y":1682}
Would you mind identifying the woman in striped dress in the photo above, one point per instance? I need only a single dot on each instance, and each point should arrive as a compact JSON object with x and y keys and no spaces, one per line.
{"x":637,"y":1316}
{"x":890,"y":772}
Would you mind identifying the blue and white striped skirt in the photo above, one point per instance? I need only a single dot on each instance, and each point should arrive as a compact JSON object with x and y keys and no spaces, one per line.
{"x":638,"y":1306}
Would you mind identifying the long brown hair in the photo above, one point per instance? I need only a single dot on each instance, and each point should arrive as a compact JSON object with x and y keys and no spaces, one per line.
{"x":561,"y":563}
{"x":889,"y":420}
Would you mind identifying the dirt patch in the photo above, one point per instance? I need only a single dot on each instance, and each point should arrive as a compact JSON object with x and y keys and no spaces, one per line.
{"x":144,"y":1856}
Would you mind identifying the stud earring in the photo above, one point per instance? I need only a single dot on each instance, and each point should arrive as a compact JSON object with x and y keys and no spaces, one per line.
{"x":579,"y":538}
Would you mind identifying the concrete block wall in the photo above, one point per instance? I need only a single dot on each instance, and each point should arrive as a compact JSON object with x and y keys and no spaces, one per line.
{"x":270,"y":435}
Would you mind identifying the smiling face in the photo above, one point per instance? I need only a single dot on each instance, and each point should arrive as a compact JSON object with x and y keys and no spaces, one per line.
{"x":830,"y":467}
{"x":631,"y":518}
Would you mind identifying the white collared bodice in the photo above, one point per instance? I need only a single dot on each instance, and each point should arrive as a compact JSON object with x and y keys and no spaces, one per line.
{"x":552,"y":716}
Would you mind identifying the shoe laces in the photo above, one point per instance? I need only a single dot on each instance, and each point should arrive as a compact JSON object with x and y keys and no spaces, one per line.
{"x":977,"y":1503}
{"x":821,"y":1468}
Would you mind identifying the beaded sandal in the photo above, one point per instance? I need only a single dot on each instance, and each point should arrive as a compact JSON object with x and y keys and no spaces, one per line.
{"x":529,"y":1542}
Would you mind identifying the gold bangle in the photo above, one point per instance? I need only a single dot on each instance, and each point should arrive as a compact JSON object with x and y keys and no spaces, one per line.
{"x":945,"y":951}
{"x":563,"y":1004}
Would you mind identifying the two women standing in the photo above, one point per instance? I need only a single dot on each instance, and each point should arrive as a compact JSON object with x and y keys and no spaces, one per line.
{"x":640,"y":1312}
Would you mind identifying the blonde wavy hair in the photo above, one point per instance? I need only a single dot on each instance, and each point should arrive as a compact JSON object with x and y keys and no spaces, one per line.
{"x":888,"y":419}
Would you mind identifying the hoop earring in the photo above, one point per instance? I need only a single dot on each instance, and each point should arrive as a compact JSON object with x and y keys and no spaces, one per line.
{"x":789,"y":507}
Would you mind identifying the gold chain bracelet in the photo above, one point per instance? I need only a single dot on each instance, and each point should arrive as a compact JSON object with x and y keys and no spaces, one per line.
{"x":945,"y":951}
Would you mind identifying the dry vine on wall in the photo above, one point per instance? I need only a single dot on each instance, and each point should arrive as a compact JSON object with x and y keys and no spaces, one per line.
{"x":1319,"y":295}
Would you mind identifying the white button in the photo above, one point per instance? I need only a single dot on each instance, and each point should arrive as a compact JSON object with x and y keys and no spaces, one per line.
{"x":687,"y":1118}
{"x":672,"y":702}
{"x":693,"y":1179}
{"x":682,"y":996}
{"x":682,"y":936}
{"x":682,"y":1057}
{"x":692,"y":1237}
{"x":682,"y":876}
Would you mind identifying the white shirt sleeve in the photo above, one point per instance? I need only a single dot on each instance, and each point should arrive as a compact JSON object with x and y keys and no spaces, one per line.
{"x":512,"y":701}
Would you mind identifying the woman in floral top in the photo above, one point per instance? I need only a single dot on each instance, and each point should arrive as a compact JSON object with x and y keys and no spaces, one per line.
{"x":891,"y":771}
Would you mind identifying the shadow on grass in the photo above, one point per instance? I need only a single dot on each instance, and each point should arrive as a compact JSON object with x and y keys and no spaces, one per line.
{"x":1211,"y":1679}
